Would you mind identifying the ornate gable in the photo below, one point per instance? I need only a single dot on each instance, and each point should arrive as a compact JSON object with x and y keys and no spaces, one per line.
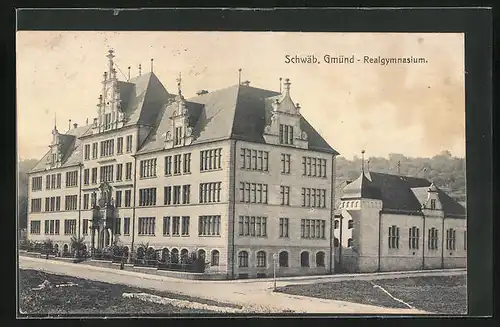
{"x":181,"y":133}
{"x":284,"y":126}
{"x":54,"y":160}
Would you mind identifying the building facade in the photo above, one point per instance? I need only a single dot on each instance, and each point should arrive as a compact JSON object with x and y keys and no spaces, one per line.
{"x":390,"y":222}
{"x":235,"y":175}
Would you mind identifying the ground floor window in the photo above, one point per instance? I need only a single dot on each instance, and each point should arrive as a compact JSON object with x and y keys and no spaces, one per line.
{"x":243,"y":259}
{"x":261,"y":259}
{"x":283,"y":259}
{"x":304,"y":259}
{"x":320,"y":259}
{"x":215,"y":258}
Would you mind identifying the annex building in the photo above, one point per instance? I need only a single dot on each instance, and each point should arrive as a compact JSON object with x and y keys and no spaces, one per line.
{"x":235,"y":175}
{"x":390,"y":222}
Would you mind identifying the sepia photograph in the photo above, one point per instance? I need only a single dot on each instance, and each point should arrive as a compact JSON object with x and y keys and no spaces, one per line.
{"x":220,"y":173}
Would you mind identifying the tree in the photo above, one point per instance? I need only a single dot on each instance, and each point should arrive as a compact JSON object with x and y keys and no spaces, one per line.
{"x":77,"y":245}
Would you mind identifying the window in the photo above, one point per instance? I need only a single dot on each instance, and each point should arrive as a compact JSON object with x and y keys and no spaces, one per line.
{"x":433,"y":204}
{"x":215,"y":258}
{"x":47,"y":182}
{"x":320,"y":259}
{"x":350,"y":224}
{"x":285,"y":195}
{"x":167,"y":195}
{"x":147,"y":197}
{"x":87,"y":152}
{"x":58,"y":181}
{"x":313,"y":167}
{"x":253,"y":192}
{"x":185,"y":226}
{"x":313,"y":198}
{"x":36,"y":183}
{"x":117,"y":226}
{"x":451,"y":239}
{"x":252,"y":226}
{"x":335,"y":242}
{"x":71,"y":202}
{"x":129,"y":143}
{"x":283,"y":227}
{"x":176,"y":222}
{"x":261,"y":259}
{"x":86,"y":176}
{"x":71,"y":178}
{"x":69,"y":226}
{"x":186,"y":191}
{"x":187,"y":163}
{"x":210,"y":159}
{"x":178,"y":136}
{"x":85,"y":227}
{"x":119,"y":172}
{"x":94,"y":175}
{"x":286,"y":134}
{"x":413,"y":238}
{"x":177,"y":164}
{"x":107,"y":121}
{"x":336,"y":224}
{"x":119,"y":145}
{"x":285,"y":163}
{"x":177,"y":194}
{"x":210,"y":192}
{"x":209,"y":225}
{"x":168,"y":165}
{"x":166,"y":226}
{"x":393,"y":237}
{"x":128,"y":171}
{"x":254,"y":159}
{"x":35,"y":227}
{"x":283,"y":259}
{"x":148,"y":168}
{"x":107,"y":148}
{"x":94,"y":150}
{"x":86,"y":198}
{"x":312,"y":228}
{"x":128,"y":196}
{"x":126,"y":225}
{"x":350,"y":243}
{"x":304,"y":259}
{"x":465,"y":240}
{"x":146,"y":226}
{"x":432,"y":239}
{"x":106,"y":173}
{"x":36,"y":205}
{"x":118,"y":199}
{"x":243,"y":259}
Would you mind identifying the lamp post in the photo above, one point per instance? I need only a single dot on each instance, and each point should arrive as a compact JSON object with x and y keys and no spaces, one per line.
{"x":275,"y":256}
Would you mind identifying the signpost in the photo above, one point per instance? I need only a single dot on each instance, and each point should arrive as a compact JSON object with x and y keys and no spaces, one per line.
{"x":275,"y":256}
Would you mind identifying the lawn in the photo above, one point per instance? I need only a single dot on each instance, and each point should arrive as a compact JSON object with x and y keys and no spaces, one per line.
{"x":439,"y":295}
{"x":92,"y":297}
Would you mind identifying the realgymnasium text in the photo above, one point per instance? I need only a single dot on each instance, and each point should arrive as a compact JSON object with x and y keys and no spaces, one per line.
{"x":312,"y":59}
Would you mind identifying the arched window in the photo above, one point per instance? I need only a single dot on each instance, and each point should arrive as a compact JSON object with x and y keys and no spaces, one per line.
{"x":151,"y":253}
{"x":65,"y":248}
{"x":215,"y":258}
{"x":283,"y":259}
{"x":336,"y":224}
{"x":201,"y":254}
{"x":184,"y":255}
{"x":174,"y":255}
{"x":140,"y":252}
{"x":165,"y":254}
{"x":350,"y":243}
{"x":304,"y":259}
{"x":336,"y":242}
{"x":261,"y":259}
{"x":56,"y":248}
{"x":243,"y":259}
{"x":350,"y":224}
{"x":320,"y":259}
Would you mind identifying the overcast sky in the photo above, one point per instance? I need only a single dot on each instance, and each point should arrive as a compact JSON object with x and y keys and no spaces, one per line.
{"x":415,"y":109}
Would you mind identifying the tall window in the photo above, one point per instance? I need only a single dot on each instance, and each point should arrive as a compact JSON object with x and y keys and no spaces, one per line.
{"x":313,"y":198}
{"x":146,"y":226}
{"x":261,"y":259}
{"x":283,"y":259}
{"x":286,"y":134}
{"x":147,"y":197}
{"x":393,"y":237}
{"x":166,"y":226}
{"x":285,"y":163}
{"x":176,"y":225}
{"x":413,"y":238}
{"x":186,"y":192}
{"x":86,"y":198}
{"x":36,"y":205}
{"x":285,"y":195}
{"x":210,"y":192}
{"x":178,"y":136}
{"x":126,"y":226}
{"x":107,"y":121}
{"x":320,"y":259}
{"x":106,"y":173}
{"x":69,"y":226}
{"x":211,"y":159}
{"x":336,"y":224}
{"x":214,"y":258}
{"x":254,"y":159}
{"x":243,"y":259}
{"x":94,"y":175}
{"x":312,"y":228}
{"x":128,"y":197}
{"x":129,"y":143}
{"x":253,"y":192}
{"x":35,"y":227}
{"x":148,"y":168}
{"x":72,"y":178}
{"x":107,"y":148}
{"x":128,"y":171}
{"x":87,"y":152}
{"x":433,"y":204}
{"x":177,"y":194}
{"x":209,"y":226}
{"x":177,"y":164}
{"x":118,"y":199}
{"x":86,"y":176}
{"x":432,"y":239}
{"x":119,"y":172}
{"x":36,"y":183}
{"x":94,"y":150}
{"x":117,"y":226}
{"x":451,"y":239}
{"x":168,"y":165}
{"x":283,"y":227}
{"x":71,"y":202}
{"x":185,"y":226}
{"x":187,"y":163}
{"x":304,"y":259}
{"x":167,"y":195}
{"x":313,"y":167}
{"x":85,"y":227}
{"x":252,"y":226}
{"x":119,"y":145}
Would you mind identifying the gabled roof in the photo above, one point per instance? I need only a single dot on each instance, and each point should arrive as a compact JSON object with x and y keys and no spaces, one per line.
{"x":237,"y":112}
{"x":400,"y":193}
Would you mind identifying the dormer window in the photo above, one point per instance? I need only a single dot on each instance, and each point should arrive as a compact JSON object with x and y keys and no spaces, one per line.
{"x":178,"y":136}
{"x":107,"y":121}
{"x":286,"y":134}
{"x":433,"y":204}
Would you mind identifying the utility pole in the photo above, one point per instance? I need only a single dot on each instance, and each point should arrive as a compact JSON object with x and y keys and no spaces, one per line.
{"x":275,"y":255}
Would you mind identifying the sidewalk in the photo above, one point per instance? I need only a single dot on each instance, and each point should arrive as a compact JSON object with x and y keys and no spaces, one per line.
{"x":256,"y":294}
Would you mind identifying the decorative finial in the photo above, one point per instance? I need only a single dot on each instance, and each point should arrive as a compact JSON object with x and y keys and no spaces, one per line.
{"x":363,"y":162}
{"x":399,"y":167}
{"x":287,"y":85}
{"x":179,"y":80}
{"x":69,"y":124}
{"x":139,"y":69}
{"x":151,"y":64}
{"x":280,"y":83}
{"x":55,"y":121}
{"x":105,"y":75}
{"x":239,"y":76}
{"x":128,"y":73}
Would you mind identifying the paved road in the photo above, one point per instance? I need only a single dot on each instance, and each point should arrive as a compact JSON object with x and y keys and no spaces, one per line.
{"x":254,"y":294}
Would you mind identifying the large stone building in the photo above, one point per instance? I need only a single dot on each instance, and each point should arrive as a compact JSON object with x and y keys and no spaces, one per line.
{"x":236,"y":175}
{"x":390,"y":222}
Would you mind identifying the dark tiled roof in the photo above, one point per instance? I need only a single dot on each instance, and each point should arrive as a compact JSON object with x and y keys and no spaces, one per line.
{"x":400,"y":193}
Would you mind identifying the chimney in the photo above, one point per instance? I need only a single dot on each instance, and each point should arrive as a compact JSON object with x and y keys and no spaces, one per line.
{"x":200,"y":92}
{"x":75,"y":125}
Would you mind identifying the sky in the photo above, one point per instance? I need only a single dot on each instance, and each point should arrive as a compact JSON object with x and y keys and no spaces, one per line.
{"x":414,"y":109}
